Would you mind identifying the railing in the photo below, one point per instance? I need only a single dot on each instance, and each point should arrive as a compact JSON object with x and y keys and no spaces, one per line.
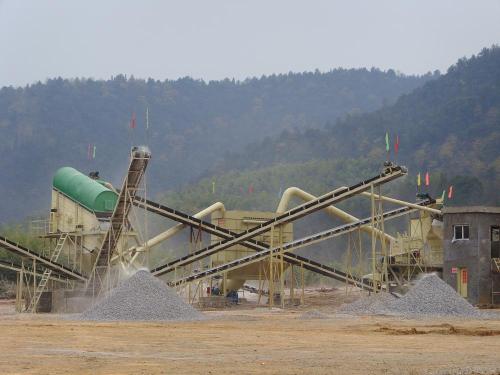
{"x":42,"y":227}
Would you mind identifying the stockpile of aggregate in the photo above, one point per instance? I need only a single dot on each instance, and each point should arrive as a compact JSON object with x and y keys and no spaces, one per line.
{"x":430,"y":296}
{"x":313,"y":314}
{"x":372,"y":304}
{"x":141,"y":297}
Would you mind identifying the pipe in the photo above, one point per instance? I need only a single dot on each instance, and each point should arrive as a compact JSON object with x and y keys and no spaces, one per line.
{"x":331,"y":210}
{"x":219,"y":206}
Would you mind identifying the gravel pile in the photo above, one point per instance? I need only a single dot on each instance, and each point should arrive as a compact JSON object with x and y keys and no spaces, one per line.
{"x":430,"y":296}
{"x":313,"y":314}
{"x":372,"y":304}
{"x":141,"y":297}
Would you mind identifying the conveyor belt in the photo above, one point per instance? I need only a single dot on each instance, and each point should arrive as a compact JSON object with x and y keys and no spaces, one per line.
{"x":299,"y":260}
{"x":138,"y":163}
{"x":43,"y":261}
{"x":256,"y":245}
{"x":194,"y":222}
{"x":298,"y":212}
{"x":12,"y":266}
{"x":226,"y":234}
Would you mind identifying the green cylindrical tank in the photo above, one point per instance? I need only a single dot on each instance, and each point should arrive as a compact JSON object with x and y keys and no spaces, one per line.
{"x":84,"y":190}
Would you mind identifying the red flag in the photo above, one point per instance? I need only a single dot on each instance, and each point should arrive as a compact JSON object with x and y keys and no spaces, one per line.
{"x":450,"y":192}
{"x":250,"y":189}
{"x":396,"y":145}
{"x":427,"y":179}
{"x":133,"y":123}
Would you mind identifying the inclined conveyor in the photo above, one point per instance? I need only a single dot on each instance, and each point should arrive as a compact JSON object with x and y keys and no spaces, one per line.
{"x":390,"y":173}
{"x":309,"y":264}
{"x":58,"y":268}
{"x":138,"y":162}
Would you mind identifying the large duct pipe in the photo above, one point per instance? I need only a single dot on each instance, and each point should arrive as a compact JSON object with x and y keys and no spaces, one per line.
{"x":219,"y":206}
{"x":331,"y":210}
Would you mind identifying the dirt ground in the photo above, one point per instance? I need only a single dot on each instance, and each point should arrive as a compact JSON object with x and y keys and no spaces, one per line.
{"x":250,"y":341}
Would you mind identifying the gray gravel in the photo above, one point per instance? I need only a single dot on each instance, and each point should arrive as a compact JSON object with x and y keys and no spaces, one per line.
{"x":141,"y":297}
{"x":313,"y":314}
{"x":430,"y":296}
{"x":372,"y":304}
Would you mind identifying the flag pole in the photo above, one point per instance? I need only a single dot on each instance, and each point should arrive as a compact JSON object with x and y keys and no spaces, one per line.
{"x":387,"y":147}
{"x":147,"y":126}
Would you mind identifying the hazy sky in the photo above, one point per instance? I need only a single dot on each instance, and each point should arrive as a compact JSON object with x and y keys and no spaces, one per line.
{"x":214,"y":39}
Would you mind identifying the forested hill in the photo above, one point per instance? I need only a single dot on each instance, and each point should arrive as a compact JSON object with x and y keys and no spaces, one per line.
{"x":192,"y":123}
{"x":450,"y":125}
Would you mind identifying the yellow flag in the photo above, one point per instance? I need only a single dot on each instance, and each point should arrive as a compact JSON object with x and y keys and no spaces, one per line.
{"x":419,"y":181}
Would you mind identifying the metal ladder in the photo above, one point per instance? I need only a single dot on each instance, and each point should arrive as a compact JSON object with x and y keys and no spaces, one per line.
{"x":46,"y":274}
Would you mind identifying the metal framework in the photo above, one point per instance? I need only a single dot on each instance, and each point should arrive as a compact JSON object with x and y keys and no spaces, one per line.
{"x":119,"y":223}
{"x":302,"y":261}
{"x":389,"y":174}
{"x":277,"y":254}
{"x":57,"y":268}
{"x":292,"y":259}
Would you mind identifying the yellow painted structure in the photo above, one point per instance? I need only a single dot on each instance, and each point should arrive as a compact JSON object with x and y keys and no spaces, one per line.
{"x":85,"y":230}
{"x":424,"y":238}
{"x":240,"y":221}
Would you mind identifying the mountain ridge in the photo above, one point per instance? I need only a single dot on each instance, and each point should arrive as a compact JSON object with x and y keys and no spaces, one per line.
{"x":192,"y":123}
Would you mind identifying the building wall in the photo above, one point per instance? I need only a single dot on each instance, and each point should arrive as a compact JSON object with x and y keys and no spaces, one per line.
{"x":473,"y":254}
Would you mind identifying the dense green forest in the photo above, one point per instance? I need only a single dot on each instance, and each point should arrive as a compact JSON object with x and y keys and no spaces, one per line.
{"x":193,"y":124}
{"x":450,"y":127}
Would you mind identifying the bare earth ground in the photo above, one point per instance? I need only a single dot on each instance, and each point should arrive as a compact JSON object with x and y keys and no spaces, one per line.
{"x":250,"y":341}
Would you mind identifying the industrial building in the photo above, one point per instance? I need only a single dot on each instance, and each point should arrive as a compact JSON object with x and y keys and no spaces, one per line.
{"x":471,"y":261}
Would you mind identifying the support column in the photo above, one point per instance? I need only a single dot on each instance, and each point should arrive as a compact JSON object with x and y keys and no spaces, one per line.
{"x":282,"y":269}
{"x":224,"y":280}
{"x":385,"y":275}
{"x":271,"y":276}
{"x":261,"y":284}
{"x":21,"y":286}
{"x":302,"y":282}
{"x":34,"y":285}
{"x":17,"y":291}
{"x":374,"y":239}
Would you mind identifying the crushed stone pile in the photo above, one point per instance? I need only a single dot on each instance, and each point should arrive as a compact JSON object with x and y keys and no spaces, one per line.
{"x":313,"y":314}
{"x":430,"y":296}
{"x":372,"y":304}
{"x":141,"y":297}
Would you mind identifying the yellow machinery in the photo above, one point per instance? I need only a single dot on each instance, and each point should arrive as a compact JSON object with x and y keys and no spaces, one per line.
{"x":91,"y":233}
{"x":238,"y":222}
{"x":420,"y":249}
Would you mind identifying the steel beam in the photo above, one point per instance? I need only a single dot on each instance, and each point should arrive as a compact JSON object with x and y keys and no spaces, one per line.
{"x":391,"y":173}
{"x":45,"y":262}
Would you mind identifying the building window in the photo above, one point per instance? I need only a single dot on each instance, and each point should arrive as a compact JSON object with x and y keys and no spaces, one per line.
{"x":461,"y":232}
